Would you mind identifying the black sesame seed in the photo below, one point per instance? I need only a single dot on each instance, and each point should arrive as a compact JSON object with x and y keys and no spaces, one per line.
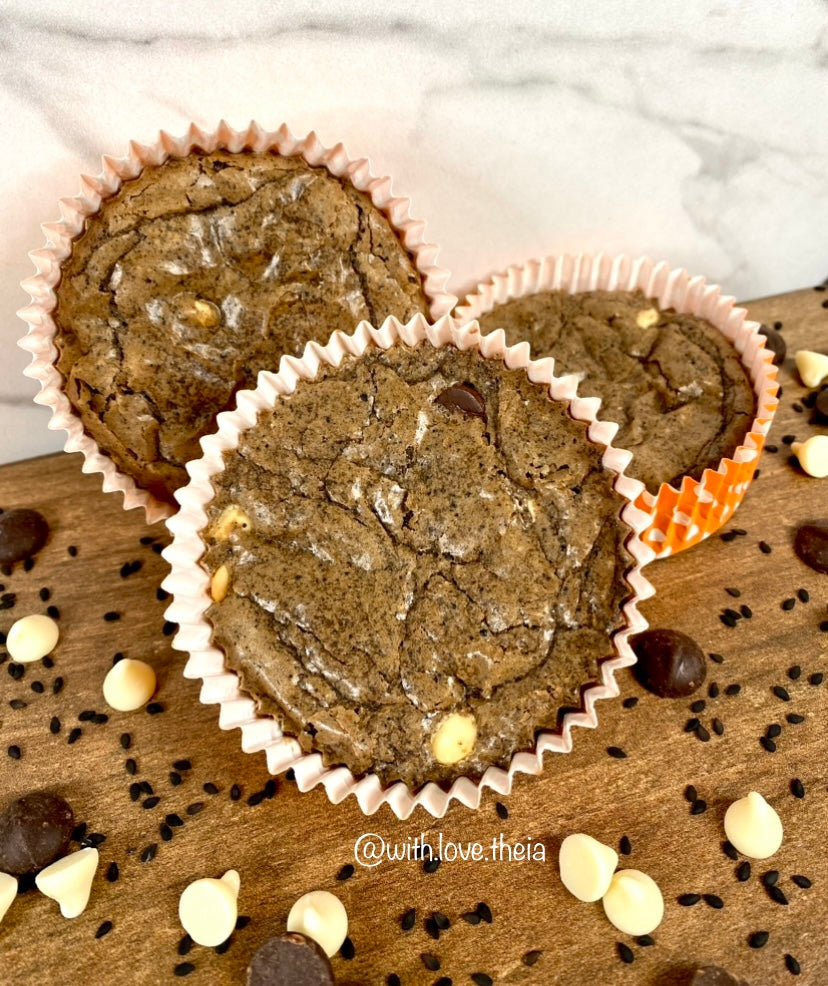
{"x":174,"y":819}
{"x":112,"y":872}
{"x":714,"y":901}
{"x":767,"y":744}
{"x":79,"y":832}
{"x":770,"y":878}
{"x":471,"y":917}
{"x":149,"y":852}
{"x":117,"y":658}
{"x":54,"y":726}
{"x":393,"y":980}
{"x":432,"y":865}
{"x":781,"y":693}
{"x":408,"y":919}
{"x":86,"y":716}
{"x":746,"y":611}
{"x":699,"y":807}
{"x":209,"y":788}
{"x":175,"y":778}
{"x":804,"y":595}
{"x":7,"y":600}
{"x":793,"y":967}
{"x":733,"y":689}
{"x":530,"y":958}
{"x":235,"y":792}
{"x":616,"y":753}
{"x":130,"y":766}
{"x":53,"y":611}
{"x":797,"y":788}
{"x":270,"y":788}
{"x":690,"y":793}
{"x":801,"y":881}
{"x":151,"y":802}
{"x":154,"y":708}
{"x":718,"y":727}
{"x":728,"y":536}
{"x":758,"y":939}
{"x":16,"y":671}
{"x":134,"y":791}
{"x":824,"y":626}
{"x":733,"y":592}
{"x":625,"y":953}
{"x":794,"y":718}
{"x":195,"y":807}
{"x":645,"y":941}
{"x":702,"y":734}
{"x":57,"y":685}
{"x":765,"y":548}
{"x":14,"y":752}
{"x":481,"y":979}
{"x":125,"y":741}
{"x":225,"y":945}
{"x":431,"y":962}
{"x":431,"y":928}
{"x":162,"y":595}
{"x":74,"y":735}
{"x":630,"y":702}
{"x":158,"y":548}
{"x":146,"y":539}
{"x":146,"y":787}
{"x":788,"y":604}
{"x":17,"y":704}
{"x":817,"y":678}
{"x":698,"y":706}
{"x":777,"y":895}
{"x":256,"y":799}
{"x":743,"y":872}
{"x":47,"y":662}
{"x":795,"y":672}
{"x":485,"y":912}
{"x":346,"y":872}
{"x":443,"y":981}
{"x":169,"y":628}
{"x":182,"y":765}
{"x":165,"y":832}
{"x":103,"y":929}
{"x":624,"y":846}
{"x":441,"y":921}
{"x":729,"y":850}
{"x":183,"y":969}
{"x":716,"y":659}
{"x":112,"y":616}
{"x":773,"y":730}
{"x":502,"y":810}
{"x":242,"y":921}
{"x":94,"y":839}
{"x":45,"y":594}
{"x":728,"y":619}
{"x":692,"y":725}
{"x":689,"y":900}
{"x":99,"y":718}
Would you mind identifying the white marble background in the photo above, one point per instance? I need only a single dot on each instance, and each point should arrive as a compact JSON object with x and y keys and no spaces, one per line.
{"x":691,"y":130}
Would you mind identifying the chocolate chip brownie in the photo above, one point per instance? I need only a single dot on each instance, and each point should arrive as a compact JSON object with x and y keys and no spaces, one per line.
{"x":672,"y":382}
{"x":202,"y":272}
{"x":416,"y":535}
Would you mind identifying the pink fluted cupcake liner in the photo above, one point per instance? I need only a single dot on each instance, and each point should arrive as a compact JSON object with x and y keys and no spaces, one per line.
{"x":40,"y":338}
{"x":189,"y":582}
{"x":680,"y":517}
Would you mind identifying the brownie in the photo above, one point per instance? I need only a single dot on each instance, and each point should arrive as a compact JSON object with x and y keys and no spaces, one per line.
{"x":202,"y":272}
{"x":416,"y":533}
{"x":673,"y":382}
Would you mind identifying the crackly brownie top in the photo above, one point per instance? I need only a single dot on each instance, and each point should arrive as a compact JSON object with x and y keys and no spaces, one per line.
{"x":416,"y":534}
{"x":198,"y":274}
{"x":673,"y":383}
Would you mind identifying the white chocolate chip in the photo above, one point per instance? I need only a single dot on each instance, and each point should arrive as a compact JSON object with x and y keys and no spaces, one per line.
{"x":813,"y":455}
{"x":128,"y":685}
{"x":69,"y":881}
{"x":634,"y":903}
{"x":208,"y":908}
{"x":586,"y":866}
{"x":647,"y":318}
{"x":220,"y":583}
{"x":206,"y":313}
{"x":230,"y":517}
{"x":454,"y":738}
{"x":322,"y":916}
{"x":8,"y":891}
{"x":753,"y":827}
{"x":813,"y":367}
{"x":31,"y":638}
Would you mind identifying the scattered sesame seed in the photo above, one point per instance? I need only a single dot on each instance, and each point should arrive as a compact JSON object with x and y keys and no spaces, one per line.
{"x":777,"y":895}
{"x":74,"y":735}
{"x":242,"y":921}
{"x":149,"y":853}
{"x":801,"y":881}
{"x":765,"y":548}
{"x":793,"y":967}
{"x":770,"y":878}
{"x":729,"y":850}
{"x":346,"y":872}
{"x":431,"y":928}
{"x":746,"y":611}
{"x":630,"y":702}
{"x":690,"y":793}
{"x":57,"y":685}
{"x":408,"y":919}
{"x":743,"y":872}
{"x":195,"y":807}
{"x":182,"y":765}
{"x":733,"y":689}
{"x":162,"y":595}
{"x":767,"y":744}
{"x":14,"y":752}
{"x":431,"y":962}
{"x":471,"y":917}
{"x":125,"y":741}
{"x":169,"y":628}
{"x":183,"y":969}
{"x":531,"y":957}
{"x":692,"y":725}
{"x":645,"y":941}
{"x":502,"y":810}
{"x":788,"y":604}
{"x":797,"y":788}
{"x":151,"y":802}
{"x":758,"y":939}
{"x":689,"y":900}
{"x":716,"y":659}
{"x":130,"y":766}
{"x":154,"y":708}
{"x":174,"y":819}
{"x":235,"y":792}
{"x":624,"y":846}
{"x":817,"y":678}
{"x":113,"y":872}
{"x":713,"y":690}
{"x":432,"y":865}
{"x":718,"y":727}
{"x":729,"y":619}
{"x":175,"y":778}
{"x":146,"y":787}
{"x":225,"y":945}
{"x":481,"y":979}
{"x":104,"y":928}
{"x":702,"y":734}
{"x":773,"y":730}
{"x":804,"y":595}
{"x":795,"y":672}
{"x":625,"y":953}
{"x":781,"y":693}
{"x":209,"y":788}
{"x":72,"y":550}
{"x":165,"y":832}
{"x":735,"y":593}
{"x":53,"y":611}
{"x":616,"y":753}
{"x":54,"y":726}
{"x":17,"y":704}
{"x":393,"y":980}
{"x":485,"y":912}
{"x":698,"y":706}
{"x":699,"y":807}
{"x":112,"y":616}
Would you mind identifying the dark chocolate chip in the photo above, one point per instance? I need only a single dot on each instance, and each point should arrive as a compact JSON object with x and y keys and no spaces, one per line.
{"x":22,"y":534}
{"x":34,"y":831}
{"x":463,"y":397}
{"x":811,"y":545}
{"x":290,"y":960}
{"x":775,"y":343}
{"x":670,"y":663}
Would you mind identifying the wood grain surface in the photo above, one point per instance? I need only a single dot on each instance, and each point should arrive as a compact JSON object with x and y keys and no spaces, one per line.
{"x":293,"y":842}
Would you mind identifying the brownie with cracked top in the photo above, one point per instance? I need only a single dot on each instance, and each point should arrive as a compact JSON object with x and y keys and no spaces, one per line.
{"x":416,"y":534}
{"x":673,"y":382}
{"x":198,"y":274}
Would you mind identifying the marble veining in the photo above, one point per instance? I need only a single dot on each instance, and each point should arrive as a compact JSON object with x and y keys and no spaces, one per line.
{"x":693,"y":133}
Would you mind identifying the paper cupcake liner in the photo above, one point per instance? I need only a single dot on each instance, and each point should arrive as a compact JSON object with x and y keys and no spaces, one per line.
{"x":40,"y":338}
{"x":189,"y":583}
{"x":683,"y":517}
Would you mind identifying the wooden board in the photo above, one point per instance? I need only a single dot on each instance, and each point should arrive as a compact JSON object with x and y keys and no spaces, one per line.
{"x":297,"y":842}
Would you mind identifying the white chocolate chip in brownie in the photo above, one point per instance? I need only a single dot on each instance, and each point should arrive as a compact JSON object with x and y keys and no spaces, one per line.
{"x":230,"y":517}
{"x":454,"y":738}
{"x":813,"y":455}
{"x":128,"y":685}
{"x":220,"y":583}
{"x":647,"y":318}
{"x":31,"y":638}
{"x":586,"y":866}
{"x":634,"y":903}
{"x":208,"y":908}
{"x":320,"y":915}
{"x":69,"y":881}
{"x":753,"y":827}
{"x":8,"y":891}
{"x":813,"y":367}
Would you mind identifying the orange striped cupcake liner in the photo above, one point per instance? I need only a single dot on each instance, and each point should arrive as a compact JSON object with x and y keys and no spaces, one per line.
{"x":681,"y":517}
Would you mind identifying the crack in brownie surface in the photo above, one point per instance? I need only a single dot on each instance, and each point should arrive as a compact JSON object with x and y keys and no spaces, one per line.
{"x":198,"y":274}
{"x":676,"y":387}
{"x":400,"y":560}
